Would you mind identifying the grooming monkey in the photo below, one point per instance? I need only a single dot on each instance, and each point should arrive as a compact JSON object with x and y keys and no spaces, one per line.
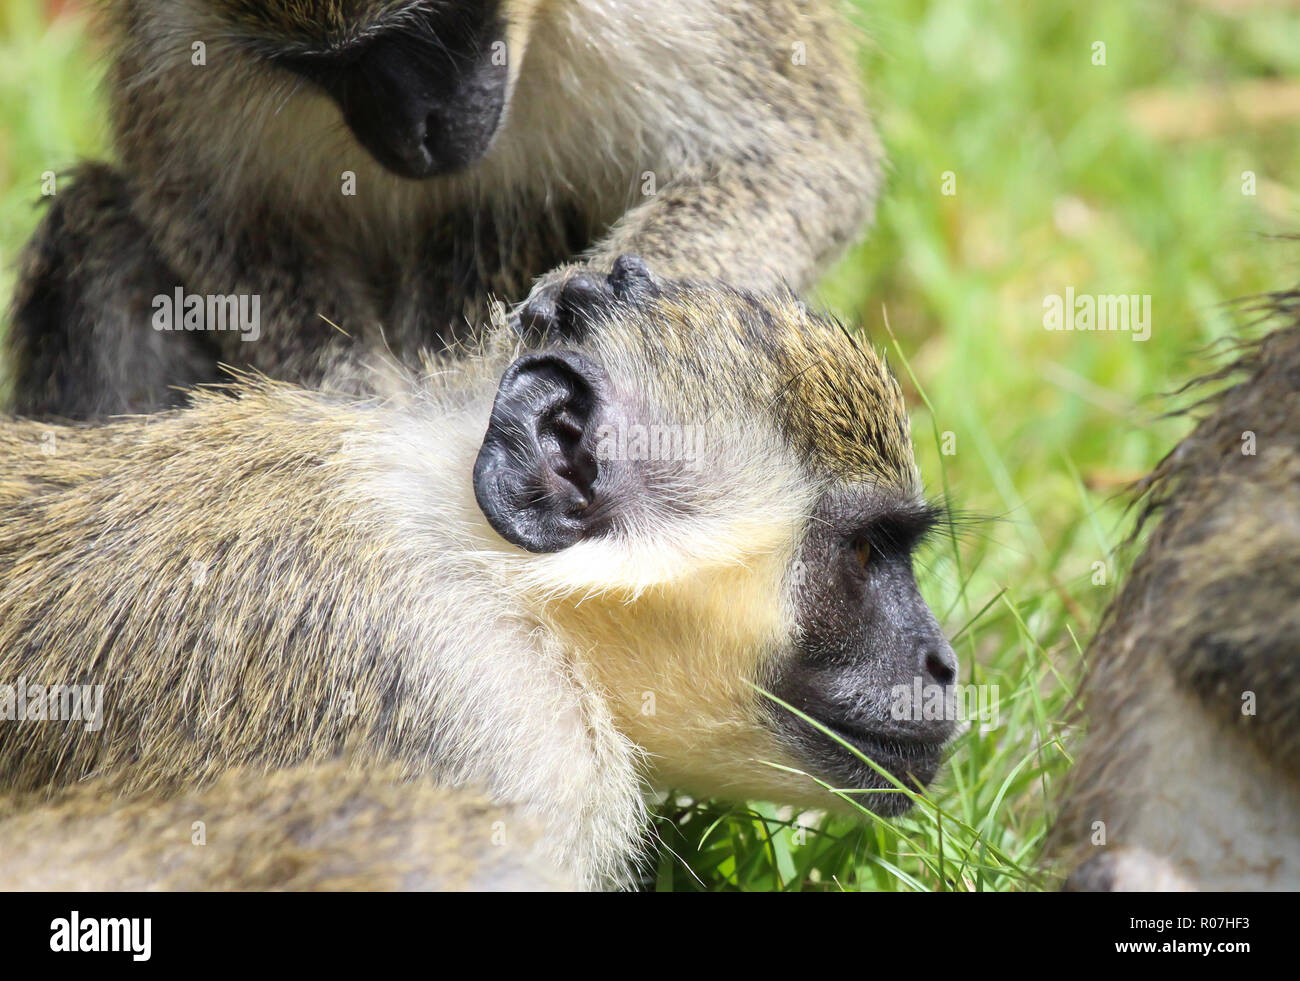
{"x":372,"y":171}
{"x":556,"y":570}
{"x":1188,"y":775}
{"x":324,"y":828}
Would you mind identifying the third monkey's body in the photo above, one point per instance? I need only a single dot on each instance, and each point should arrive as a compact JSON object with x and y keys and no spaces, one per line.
{"x":1188,"y":776}
{"x":711,"y":138}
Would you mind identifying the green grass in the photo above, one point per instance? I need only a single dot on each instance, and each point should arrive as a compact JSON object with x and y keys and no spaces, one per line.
{"x":1061,"y":180}
{"x":50,"y":115}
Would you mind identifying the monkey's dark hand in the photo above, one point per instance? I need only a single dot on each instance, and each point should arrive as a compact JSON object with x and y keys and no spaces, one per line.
{"x":563,"y":301}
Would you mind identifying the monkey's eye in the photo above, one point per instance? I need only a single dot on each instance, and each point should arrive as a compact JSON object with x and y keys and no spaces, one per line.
{"x":862,"y":551}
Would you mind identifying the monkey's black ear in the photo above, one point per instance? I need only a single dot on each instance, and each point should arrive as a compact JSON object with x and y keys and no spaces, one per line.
{"x":536,"y":474}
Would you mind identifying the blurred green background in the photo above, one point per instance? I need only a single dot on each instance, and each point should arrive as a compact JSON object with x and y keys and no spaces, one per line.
{"x":1164,"y":170}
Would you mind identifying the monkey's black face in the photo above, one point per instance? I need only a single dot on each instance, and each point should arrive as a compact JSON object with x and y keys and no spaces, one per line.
{"x":872,"y":664}
{"x":423,"y":92}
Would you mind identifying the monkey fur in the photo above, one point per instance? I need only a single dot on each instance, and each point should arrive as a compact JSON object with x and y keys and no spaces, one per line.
{"x":324,"y":828}
{"x":373,"y":171}
{"x":1188,"y":775}
{"x":476,"y":579}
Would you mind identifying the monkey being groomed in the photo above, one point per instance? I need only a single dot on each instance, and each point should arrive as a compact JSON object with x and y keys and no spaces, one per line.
{"x":368,"y":173}
{"x":1188,"y":776}
{"x":560,"y":570}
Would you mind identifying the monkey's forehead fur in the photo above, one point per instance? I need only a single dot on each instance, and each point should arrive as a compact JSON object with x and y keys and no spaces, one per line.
{"x":329,"y":21}
{"x":716,"y":352}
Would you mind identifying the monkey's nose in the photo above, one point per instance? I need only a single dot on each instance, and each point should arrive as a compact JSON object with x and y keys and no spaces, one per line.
{"x":940,"y":666}
{"x":425,"y":136}
{"x":408,"y":137}
{"x":418,"y":109}
{"x":410,"y":142}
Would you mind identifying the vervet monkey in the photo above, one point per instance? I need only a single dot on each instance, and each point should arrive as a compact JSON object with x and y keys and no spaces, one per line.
{"x":565,"y":569}
{"x":299,"y":185}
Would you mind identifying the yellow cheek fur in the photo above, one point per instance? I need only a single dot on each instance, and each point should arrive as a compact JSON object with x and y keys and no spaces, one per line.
{"x":677,"y":664}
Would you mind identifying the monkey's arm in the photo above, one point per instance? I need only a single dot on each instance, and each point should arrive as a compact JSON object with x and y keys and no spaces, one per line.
{"x":766,"y":217}
{"x":79,"y":338}
{"x":782,"y":168}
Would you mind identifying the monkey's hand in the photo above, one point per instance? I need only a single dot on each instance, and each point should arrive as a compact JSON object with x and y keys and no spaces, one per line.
{"x":563,"y":301}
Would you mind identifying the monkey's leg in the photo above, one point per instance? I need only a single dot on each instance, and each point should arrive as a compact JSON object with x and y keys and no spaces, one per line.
{"x":80,"y":339}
